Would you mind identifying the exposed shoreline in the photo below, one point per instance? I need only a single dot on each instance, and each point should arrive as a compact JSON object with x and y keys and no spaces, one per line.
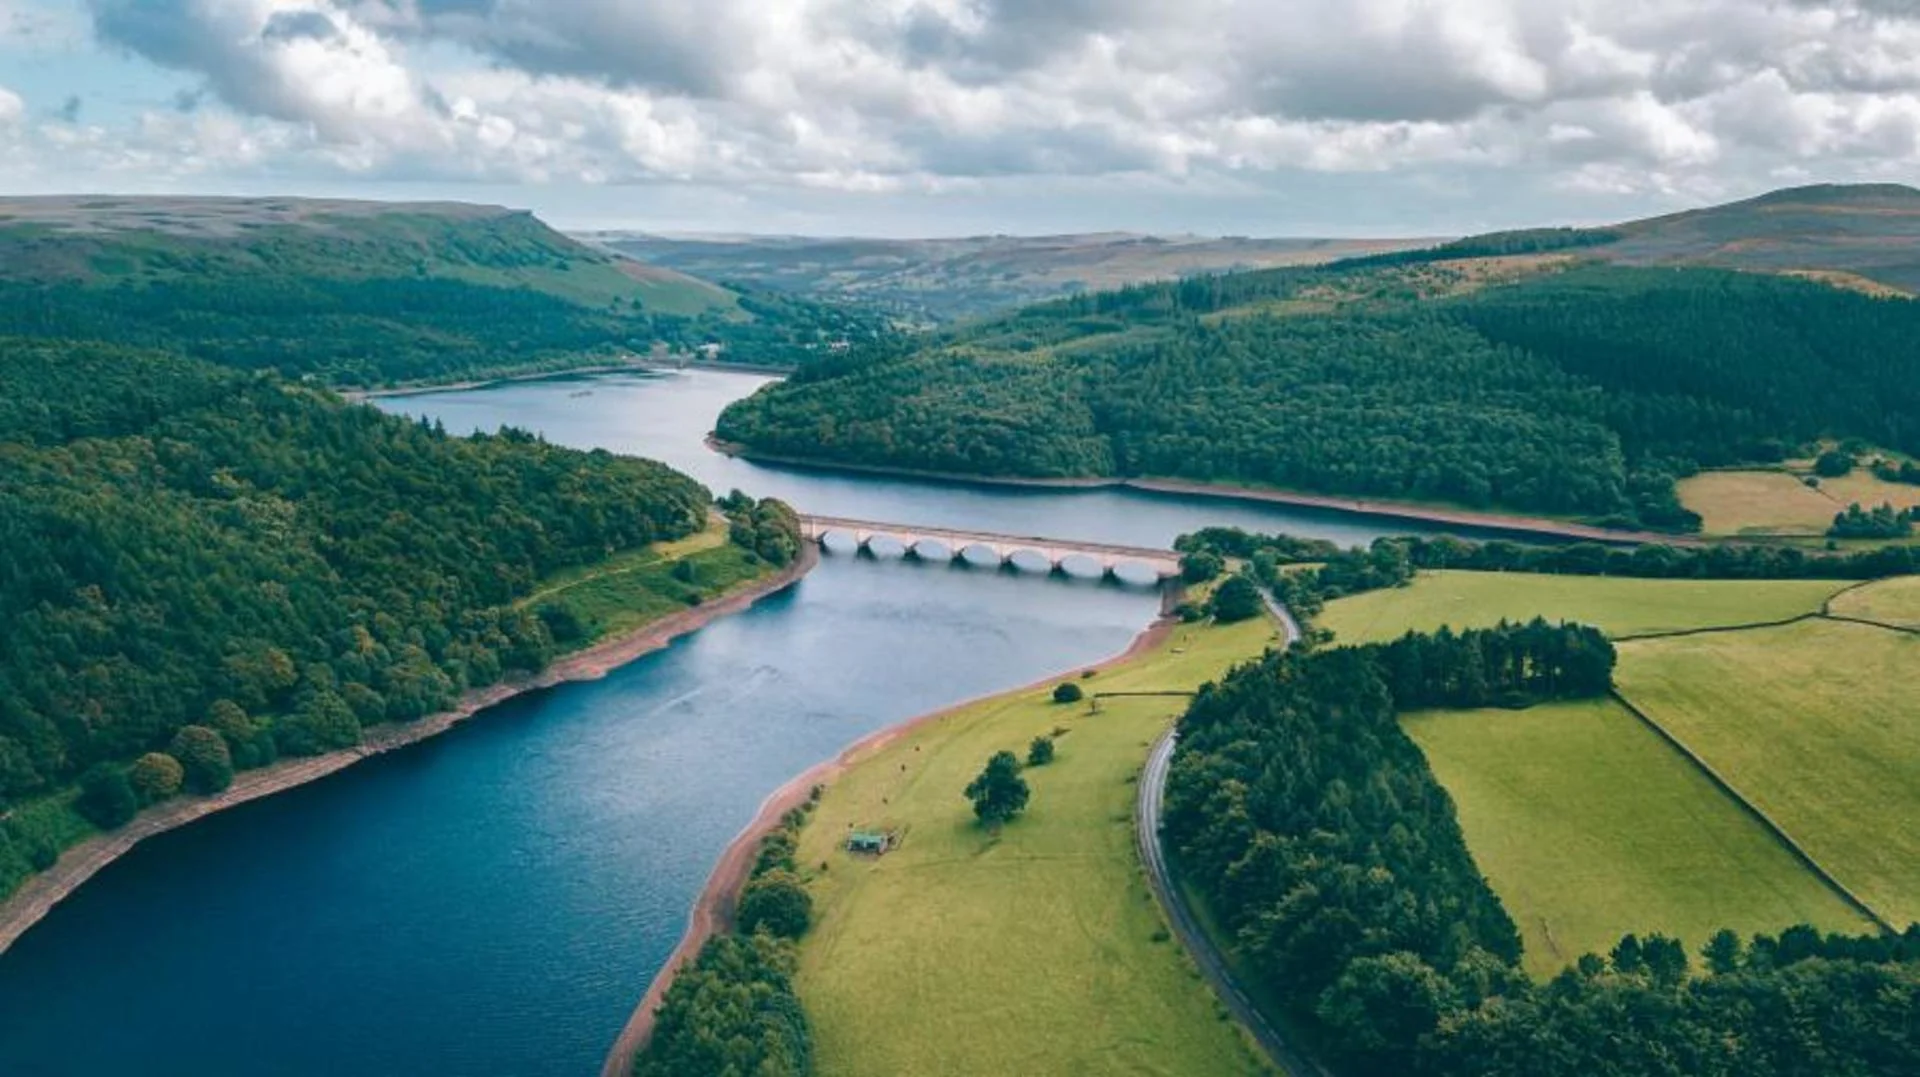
{"x":636,"y":366}
{"x":712,"y":911}
{"x":40,"y":893}
{"x":1394,"y":510}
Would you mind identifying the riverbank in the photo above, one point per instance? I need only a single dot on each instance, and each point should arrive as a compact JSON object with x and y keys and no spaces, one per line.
{"x":629,"y":367}
{"x":1517,"y":526}
{"x":39,"y":894}
{"x":712,"y":911}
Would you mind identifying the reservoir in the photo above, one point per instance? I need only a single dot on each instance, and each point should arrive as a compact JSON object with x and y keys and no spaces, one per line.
{"x":495,"y":899}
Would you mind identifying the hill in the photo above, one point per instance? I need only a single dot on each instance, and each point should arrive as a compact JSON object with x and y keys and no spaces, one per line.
{"x":365,"y":293}
{"x":1515,"y":371}
{"x":947,"y":279}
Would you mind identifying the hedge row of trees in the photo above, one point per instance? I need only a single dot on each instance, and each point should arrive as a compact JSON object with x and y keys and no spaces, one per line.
{"x":732,"y":1012}
{"x":1586,"y":392}
{"x":196,"y":561}
{"x":1883,"y":522}
{"x":1336,"y":864}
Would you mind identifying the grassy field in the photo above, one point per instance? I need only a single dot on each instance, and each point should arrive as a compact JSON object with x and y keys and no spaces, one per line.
{"x":1895,"y":602}
{"x":1818,"y":725}
{"x":1757,"y":503}
{"x":1869,"y":490}
{"x":1590,"y":826}
{"x":626,"y":591}
{"x":1620,"y":607}
{"x":1037,"y":951}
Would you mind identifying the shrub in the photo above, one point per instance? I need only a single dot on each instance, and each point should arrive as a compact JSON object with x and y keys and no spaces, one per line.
{"x":1833,"y":463}
{"x":204,"y":759}
{"x":1040,"y":752}
{"x":777,"y":902}
{"x":155,"y":777}
{"x":1067,"y":692}
{"x":107,"y":799}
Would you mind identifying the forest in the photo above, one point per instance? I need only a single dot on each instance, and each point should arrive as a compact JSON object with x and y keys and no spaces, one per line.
{"x":185,"y":547}
{"x":1334,"y":860}
{"x":1583,"y":393}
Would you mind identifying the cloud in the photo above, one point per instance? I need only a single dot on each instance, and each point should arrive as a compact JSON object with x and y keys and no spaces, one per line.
{"x":11,"y":107}
{"x":1660,"y":96}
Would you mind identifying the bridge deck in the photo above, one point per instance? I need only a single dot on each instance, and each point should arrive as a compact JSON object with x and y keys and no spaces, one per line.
{"x":814,"y":527}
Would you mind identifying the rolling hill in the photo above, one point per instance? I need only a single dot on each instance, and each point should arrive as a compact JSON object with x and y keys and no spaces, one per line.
{"x":366,"y":293}
{"x":947,"y":279}
{"x":1569,"y":372}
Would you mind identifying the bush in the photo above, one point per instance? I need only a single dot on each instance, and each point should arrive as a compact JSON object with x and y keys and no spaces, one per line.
{"x":1236,"y":600}
{"x":155,"y":777}
{"x":1201,"y":566}
{"x":1067,"y":692}
{"x":1833,"y":463}
{"x":107,"y":799}
{"x":777,"y":902}
{"x":204,"y":759}
{"x":1040,"y":752}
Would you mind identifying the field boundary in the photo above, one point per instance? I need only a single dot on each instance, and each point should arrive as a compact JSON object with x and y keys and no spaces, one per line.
{"x":1842,"y":618}
{"x":1718,"y":629}
{"x":1754,"y":811}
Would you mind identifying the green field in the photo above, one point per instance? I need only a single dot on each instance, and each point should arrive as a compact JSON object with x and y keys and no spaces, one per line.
{"x":1894,"y":602}
{"x":1817,"y":724}
{"x":1039,"y":951}
{"x":1619,"y":607}
{"x":628,"y":590}
{"x":1589,"y":826}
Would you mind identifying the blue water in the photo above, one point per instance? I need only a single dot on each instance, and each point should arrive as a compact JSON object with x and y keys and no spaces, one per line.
{"x":496,"y":899}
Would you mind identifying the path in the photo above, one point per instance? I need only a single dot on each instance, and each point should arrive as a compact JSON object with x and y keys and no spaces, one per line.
{"x":1180,"y":914}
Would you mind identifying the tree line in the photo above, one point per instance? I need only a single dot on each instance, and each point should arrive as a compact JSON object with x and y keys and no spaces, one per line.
{"x":1335,"y":862}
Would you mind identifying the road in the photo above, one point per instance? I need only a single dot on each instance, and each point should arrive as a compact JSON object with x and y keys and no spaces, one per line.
{"x":1207,"y":956}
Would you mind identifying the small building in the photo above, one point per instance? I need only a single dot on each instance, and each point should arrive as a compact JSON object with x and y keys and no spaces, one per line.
{"x":867,"y":841}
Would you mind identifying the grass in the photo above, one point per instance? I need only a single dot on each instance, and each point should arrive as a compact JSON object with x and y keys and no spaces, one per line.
{"x":1869,"y":490}
{"x":1589,"y":826}
{"x":1619,"y":607}
{"x":627,"y":591}
{"x":1895,"y":602}
{"x":1757,"y":503}
{"x":1818,"y":726}
{"x":1038,"y":950}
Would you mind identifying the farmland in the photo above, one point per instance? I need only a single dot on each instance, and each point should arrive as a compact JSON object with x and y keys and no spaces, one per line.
{"x":1816,"y":725}
{"x":1589,"y":826}
{"x":1620,"y":607}
{"x":1894,"y":602}
{"x":1037,"y":950}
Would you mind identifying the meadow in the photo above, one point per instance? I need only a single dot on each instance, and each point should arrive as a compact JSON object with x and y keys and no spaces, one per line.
{"x":1619,"y":607}
{"x":1757,"y":503}
{"x":630,"y":590}
{"x":1817,"y":725}
{"x":1893,"y":602}
{"x":1036,"y":950}
{"x":1589,"y":826}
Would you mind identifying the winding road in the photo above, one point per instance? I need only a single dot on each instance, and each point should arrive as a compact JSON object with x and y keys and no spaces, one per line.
{"x":1207,"y":956}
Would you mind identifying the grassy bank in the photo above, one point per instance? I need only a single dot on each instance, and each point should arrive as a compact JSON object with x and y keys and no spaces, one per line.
{"x":1817,"y":725}
{"x":1037,"y":950}
{"x":1589,"y":826}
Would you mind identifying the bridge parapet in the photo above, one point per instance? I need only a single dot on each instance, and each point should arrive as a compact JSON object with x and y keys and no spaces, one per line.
{"x":918,"y":542}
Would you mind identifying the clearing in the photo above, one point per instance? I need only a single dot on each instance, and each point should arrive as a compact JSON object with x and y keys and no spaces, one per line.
{"x":1757,"y":503}
{"x":1817,"y":725}
{"x":1589,"y":826}
{"x":1039,"y":950}
{"x":1616,"y":606}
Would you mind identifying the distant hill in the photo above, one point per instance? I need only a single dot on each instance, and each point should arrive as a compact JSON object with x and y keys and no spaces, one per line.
{"x":367,"y":293}
{"x":947,"y":279}
{"x":1572,"y":372}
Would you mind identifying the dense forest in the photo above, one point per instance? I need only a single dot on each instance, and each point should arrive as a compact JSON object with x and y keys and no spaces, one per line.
{"x":1583,"y":393}
{"x":186,"y":547}
{"x":1319,"y":836}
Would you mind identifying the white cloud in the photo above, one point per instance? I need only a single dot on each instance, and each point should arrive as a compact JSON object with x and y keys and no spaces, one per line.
{"x":11,"y":107}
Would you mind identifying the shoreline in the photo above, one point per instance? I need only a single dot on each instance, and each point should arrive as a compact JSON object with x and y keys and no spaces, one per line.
{"x":44,"y":890}
{"x":712,"y":911}
{"x":1392,"y":510}
{"x":639,"y":366}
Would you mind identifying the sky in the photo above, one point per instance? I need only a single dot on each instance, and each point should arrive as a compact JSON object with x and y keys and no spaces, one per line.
{"x":944,"y":117}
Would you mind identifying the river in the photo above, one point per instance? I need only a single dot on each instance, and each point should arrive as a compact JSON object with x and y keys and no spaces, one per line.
{"x":495,"y":899}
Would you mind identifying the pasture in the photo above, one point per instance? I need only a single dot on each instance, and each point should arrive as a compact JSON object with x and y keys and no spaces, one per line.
{"x":1589,"y":826}
{"x":1757,"y":503}
{"x":1817,"y":725}
{"x":1895,"y":602}
{"x":1616,"y":606}
{"x":1037,"y":950}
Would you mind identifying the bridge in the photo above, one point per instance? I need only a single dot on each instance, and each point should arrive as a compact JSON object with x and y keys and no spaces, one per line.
{"x":956,"y":544}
